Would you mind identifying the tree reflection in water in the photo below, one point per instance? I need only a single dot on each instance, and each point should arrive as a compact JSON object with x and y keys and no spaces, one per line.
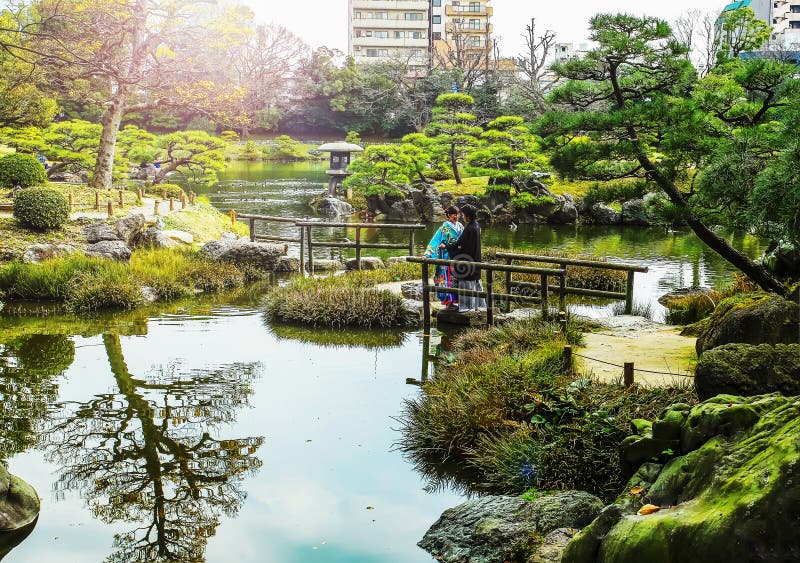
{"x":145,"y":455}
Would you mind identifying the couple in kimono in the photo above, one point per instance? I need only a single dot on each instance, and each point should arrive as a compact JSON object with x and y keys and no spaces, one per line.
{"x":453,"y":241}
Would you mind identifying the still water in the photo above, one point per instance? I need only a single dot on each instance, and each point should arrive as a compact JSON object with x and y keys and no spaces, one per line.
{"x":198,"y":432}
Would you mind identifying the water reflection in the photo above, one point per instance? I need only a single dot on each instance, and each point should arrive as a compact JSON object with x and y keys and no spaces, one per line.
{"x":332,"y":338}
{"x":146,"y":454}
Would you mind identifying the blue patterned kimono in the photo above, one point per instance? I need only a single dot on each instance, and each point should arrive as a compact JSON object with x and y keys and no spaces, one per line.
{"x":448,"y":233}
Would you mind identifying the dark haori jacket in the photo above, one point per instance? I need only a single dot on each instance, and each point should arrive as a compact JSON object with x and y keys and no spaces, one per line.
{"x":468,"y":248}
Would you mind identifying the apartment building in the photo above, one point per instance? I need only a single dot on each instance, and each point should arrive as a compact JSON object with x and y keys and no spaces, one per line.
{"x":782,"y":15}
{"x":415,"y":30}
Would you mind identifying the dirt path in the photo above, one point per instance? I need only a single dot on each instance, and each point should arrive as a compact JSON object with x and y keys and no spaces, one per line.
{"x":145,"y":209}
{"x":650,"y":346}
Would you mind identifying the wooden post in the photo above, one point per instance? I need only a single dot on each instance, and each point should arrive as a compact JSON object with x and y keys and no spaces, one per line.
{"x":110,"y":209}
{"x":562,"y":321}
{"x":71,"y":202}
{"x":172,"y":204}
{"x":163,"y":194}
{"x":97,"y":200}
{"x":155,"y":207}
{"x":253,"y":232}
{"x":426,"y":352}
{"x":545,"y":304}
{"x":562,"y":288}
{"x":121,"y":200}
{"x":629,"y":294}
{"x":191,"y":197}
{"x":233,"y":217}
{"x":183,"y":201}
{"x":509,"y":261}
{"x":310,"y":244}
{"x":426,"y":302}
{"x":411,"y":242}
{"x":302,"y":251}
{"x":628,"y":374}
{"x":568,"y":359}
{"x":489,"y":298}
{"x":358,"y":248}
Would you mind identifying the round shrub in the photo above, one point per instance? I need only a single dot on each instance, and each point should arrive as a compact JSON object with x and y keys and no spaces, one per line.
{"x":21,"y":170}
{"x":41,"y":208}
{"x":172,"y":190}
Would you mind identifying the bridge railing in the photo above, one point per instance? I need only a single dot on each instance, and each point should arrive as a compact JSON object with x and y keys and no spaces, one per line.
{"x":488,"y":294}
{"x":563,"y":290}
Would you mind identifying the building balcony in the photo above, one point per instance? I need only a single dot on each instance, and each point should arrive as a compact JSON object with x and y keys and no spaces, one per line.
{"x":463,"y":28}
{"x":374,"y":23}
{"x":466,"y":11}
{"x":373,"y":5}
{"x":389,"y":43}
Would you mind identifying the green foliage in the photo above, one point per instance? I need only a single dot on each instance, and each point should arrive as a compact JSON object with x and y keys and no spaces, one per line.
{"x":172,"y":190}
{"x":182,"y":273}
{"x":41,"y":208}
{"x":616,"y":191}
{"x":353,"y":137}
{"x":379,"y":170}
{"x":740,"y":31}
{"x":104,"y":288}
{"x":286,"y":149}
{"x":21,"y":170}
{"x":229,"y":136}
{"x":690,"y":308}
{"x":524,"y":200}
{"x":453,"y":129}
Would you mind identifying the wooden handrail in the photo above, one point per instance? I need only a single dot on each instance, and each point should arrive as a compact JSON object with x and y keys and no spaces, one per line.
{"x":574,"y":262}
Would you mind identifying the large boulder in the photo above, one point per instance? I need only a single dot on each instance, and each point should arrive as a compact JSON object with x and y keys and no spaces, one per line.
{"x":403,"y":210}
{"x":37,"y":253}
{"x":110,"y":250}
{"x":505,"y":528}
{"x":604,"y":215}
{"x":244,"y":253}
{"x":634,"y":212}
{"x":323,"y":265}
{"x":783,"y":260}
{"x":728,"y":493}
{"x":130,"y":227}
{"x":367,"y":263}
{"x":155,"y":238}
{"x":427,"y":201}
{"x":99,"y":231}
{"x":751,"y":319}
{"x":19,"y":503}
{"x":566,"y":211}
{"x":332,"y":208}
{"x":744,"y":369}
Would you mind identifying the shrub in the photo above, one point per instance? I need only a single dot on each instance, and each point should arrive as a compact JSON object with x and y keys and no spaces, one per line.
{"x":616,"y":191}
{"x":41,"y":208}
{"x":172,"y":190}
{"x":694,"y":306}
{"x":523,"y":200}
{"x":21,"y":170}
{"x":106,"y":288}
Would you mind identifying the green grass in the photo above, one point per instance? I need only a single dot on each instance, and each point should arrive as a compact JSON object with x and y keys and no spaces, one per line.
{"x":87,"y":284}
{"x":691,"y":308}
{"x":204,"y":222}
{"x":504,"y":411}
{"x":471,"y":186}
{"x":347,"y":300}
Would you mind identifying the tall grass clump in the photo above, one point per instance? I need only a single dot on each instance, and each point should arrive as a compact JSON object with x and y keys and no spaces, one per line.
{"x":322,"y":305}
{"x":506,"y":412}
{"x":175,"y":273}
{"x":695,"y":306}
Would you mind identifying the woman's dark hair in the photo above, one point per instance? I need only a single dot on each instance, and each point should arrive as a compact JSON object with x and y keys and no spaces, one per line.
{"x":450,"y":210}
{"x":469,"y":212}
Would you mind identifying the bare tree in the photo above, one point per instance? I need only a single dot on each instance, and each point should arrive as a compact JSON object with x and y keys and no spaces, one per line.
{"x":470,"y":55}
{"x":533,"y":65}
{"x":697,"y":31}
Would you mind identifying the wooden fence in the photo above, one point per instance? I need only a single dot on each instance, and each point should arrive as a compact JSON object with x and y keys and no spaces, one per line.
{"x":563,"y":290}
{"x":305,"y":238}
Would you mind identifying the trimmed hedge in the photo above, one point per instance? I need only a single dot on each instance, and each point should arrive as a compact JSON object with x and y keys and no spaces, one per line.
{"x":172,"y":190}
{"x":41,"y":208}
{"x":21,"y":170}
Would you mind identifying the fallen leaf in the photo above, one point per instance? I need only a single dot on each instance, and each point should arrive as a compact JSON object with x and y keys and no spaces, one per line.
{"x":636,"y":490}
{"x":648,"y":509}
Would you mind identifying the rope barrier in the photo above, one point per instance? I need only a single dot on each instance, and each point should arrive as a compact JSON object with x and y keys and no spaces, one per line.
{"x":634,"y":369}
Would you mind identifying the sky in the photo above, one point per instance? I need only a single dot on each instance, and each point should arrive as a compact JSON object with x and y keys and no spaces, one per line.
{"x":324,"y":22}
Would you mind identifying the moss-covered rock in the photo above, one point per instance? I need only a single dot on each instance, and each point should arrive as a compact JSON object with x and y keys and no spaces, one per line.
{"x":744,"y":369}
{"x":731,"y":494}
{"x":19,"y":503}
{"x":751,"y":319}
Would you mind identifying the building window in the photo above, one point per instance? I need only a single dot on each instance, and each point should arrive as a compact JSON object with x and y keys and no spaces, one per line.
{"x":383,"y":52}
{"x":417,"y":35}
{"x":382,"y":35}
{"x":437,"y":19}
{"x":474,"y":6}
{"x":794,"y":8}
{"x":474,"y":24}
{"x":367,"y":34}
{"x":474,"y":41}
{"x":437,"y":3}
{"x":794,"y":25}
{"x":413,"y":16}
{"x":437,"y":35}
{"x":381,"y":15}
{"x":358,"y":15}
{"x":372,"y":52}
{"x":416,"y":53}
{"x":399,"y":34}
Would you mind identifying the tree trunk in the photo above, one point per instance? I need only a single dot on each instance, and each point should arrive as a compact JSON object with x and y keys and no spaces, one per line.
{"x":108,"y":143}
{"x":454,"y":164}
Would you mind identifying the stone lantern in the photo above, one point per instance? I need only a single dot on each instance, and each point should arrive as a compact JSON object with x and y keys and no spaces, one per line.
{"x":340,"y":160}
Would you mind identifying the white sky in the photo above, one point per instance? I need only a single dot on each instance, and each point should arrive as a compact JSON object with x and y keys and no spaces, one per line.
{"x":324,"y":22}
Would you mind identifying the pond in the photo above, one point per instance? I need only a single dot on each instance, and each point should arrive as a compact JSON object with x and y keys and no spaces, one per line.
{"x":197,"y":431}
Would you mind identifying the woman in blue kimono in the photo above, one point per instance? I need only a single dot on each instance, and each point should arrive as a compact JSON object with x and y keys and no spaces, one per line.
{"x":448,"y":233}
